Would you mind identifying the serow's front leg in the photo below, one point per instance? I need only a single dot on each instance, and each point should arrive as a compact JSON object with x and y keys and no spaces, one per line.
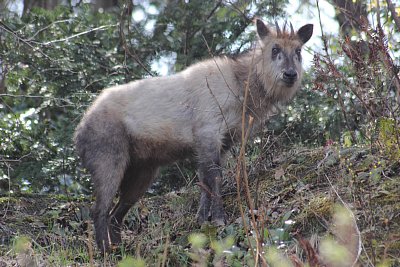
{"x":211,"y":205}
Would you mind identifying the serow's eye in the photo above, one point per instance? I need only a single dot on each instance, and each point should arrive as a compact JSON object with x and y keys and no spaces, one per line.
{"x":298,"y":52}
{"x":275,"y":51}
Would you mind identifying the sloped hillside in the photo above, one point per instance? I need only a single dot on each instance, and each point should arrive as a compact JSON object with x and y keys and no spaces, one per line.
{"x":293,"y":200}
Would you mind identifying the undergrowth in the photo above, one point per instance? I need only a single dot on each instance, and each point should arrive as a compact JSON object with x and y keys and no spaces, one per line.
{"x":310,"y":211}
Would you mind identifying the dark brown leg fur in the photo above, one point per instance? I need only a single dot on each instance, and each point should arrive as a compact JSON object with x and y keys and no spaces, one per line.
{"x":105,"y":193}
{"x":210,"y":175}
{"x":136,"y":181}
{"x":211,"y":200}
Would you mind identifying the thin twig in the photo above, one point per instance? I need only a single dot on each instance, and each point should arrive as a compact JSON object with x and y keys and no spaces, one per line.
{"x":23,"y":40}
{"x":378,"y":14}
{"x":359,"y":249}
{"x":226,"y":83}
{"x":101,"y":28}
{"x":48,"y":26}
{"x":331,"y":64}
{"x":165,"y":253}
{"x":128,"y":51}
{"x":238,"y":182}
{"x":206,"y":188}
{"x":9,"y":190}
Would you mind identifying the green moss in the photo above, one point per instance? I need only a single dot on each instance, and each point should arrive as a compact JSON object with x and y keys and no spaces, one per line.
{"x":5,"y":200}
{"x":318,"y":207}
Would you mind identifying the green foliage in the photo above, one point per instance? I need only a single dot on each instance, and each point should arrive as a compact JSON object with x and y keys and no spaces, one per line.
{"x":132,"y":262}
{"x":276,"y":259}
{"x":342,"y":249}
{"x":358,"y":76}
{"x":389,"y":136}
{"x":52,"y":72}
{"x":197,"y":240}
{"x":22,"y":243}
{"x":309,"y":110}
{"x":207,"y":28}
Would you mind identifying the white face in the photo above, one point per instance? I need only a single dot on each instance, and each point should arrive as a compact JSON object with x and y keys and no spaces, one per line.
{"x":286,"y":62}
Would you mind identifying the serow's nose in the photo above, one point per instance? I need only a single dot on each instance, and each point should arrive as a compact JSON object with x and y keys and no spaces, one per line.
{"x":290,"y":76}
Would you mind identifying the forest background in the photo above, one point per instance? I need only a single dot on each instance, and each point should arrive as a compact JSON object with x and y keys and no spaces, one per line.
{"x":56,"y":56}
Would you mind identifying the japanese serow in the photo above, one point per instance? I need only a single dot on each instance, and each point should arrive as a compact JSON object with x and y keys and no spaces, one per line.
{"x":131,"y":130}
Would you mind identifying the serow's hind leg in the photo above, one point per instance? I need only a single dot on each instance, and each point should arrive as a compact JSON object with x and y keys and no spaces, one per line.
{"x":135,"y":183}
{"x":106,"y":183}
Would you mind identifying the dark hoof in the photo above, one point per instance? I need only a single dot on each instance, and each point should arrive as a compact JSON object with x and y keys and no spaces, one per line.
{"x":115,"y":238}
{"x":109,"y":249}
{"x":115,"y":232}
{"x":218,"y":222}
{"x":201,"y":219}
{"x":103,"y":248}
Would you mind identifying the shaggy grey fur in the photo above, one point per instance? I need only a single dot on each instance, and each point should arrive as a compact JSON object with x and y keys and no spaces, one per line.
{"x":133,"y":129}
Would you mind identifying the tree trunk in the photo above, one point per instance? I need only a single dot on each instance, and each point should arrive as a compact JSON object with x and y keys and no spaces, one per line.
{"x":3,"y":74}
{"x":46,"y":4}
{"x":105,"y":4}
{"x":3,"y":5}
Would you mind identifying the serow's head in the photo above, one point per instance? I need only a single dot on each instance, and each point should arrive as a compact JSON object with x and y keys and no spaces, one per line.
{"x":281,"y":62}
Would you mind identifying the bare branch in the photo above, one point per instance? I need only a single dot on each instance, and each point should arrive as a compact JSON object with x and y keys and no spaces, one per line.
{"x":357,"y":253}
{"x":21,"y":39}
{"x":48,"y":26}
{"x":81,"y":33}
{"x":127,"y":50}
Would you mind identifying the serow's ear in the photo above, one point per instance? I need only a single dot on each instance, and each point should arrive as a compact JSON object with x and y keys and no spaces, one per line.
{"x":262,"y":30}
{"x":305,"y":33}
